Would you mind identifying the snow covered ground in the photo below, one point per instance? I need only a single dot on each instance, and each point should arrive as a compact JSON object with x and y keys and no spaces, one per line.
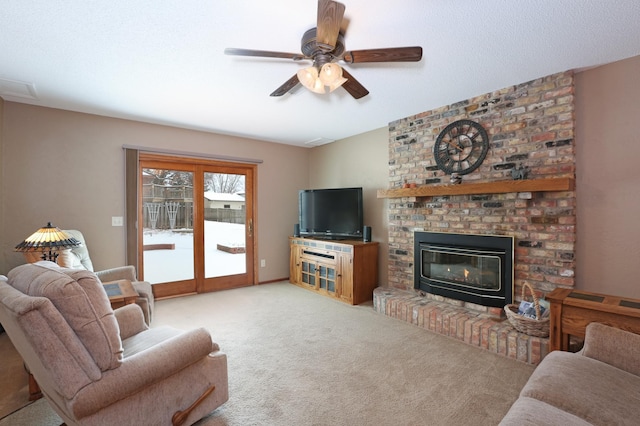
{"x":174,"y":265}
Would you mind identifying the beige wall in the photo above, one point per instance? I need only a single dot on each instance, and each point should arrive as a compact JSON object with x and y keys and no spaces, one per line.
{"x":88,"y":189}
{"x":68,"y":168}
{"x":3,"y":271}
{"x":361,"y":160}
{"x":608,"y":178}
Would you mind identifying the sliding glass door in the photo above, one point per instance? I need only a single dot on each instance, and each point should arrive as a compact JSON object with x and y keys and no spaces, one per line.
{"x":228,"y":227}
{"x":167,"y":226}
{"x":197,"y":224}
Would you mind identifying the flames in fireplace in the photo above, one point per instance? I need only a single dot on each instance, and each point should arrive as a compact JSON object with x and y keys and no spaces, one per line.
{"x":468,"y":275}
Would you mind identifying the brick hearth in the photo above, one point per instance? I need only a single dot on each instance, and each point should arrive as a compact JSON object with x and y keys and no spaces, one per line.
{"x":473,"y":327}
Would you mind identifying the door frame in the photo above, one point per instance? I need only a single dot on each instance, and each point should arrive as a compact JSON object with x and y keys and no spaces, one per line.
{"x":199,"y":165}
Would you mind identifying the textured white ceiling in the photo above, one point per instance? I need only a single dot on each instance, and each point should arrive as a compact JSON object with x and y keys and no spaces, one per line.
{"x":162,"y":61}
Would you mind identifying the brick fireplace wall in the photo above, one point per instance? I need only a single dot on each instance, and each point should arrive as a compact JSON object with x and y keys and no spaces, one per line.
{"x":529,"y":125}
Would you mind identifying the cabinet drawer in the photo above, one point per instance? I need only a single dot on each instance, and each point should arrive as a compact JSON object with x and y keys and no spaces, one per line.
{"x":314,"y":255}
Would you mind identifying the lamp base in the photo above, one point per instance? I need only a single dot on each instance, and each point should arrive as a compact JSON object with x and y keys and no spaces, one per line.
{"x":51,"y":256}
{"x":36,"y":256}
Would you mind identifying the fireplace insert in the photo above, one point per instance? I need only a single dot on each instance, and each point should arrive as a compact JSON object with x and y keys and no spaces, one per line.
{"x":472,"y":268}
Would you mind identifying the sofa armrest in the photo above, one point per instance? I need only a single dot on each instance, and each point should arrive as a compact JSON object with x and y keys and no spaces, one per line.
{"x":119,"y":273}
{"x":613,"y":346}
{"x":143,"y":370}
{"x":130,"y":320}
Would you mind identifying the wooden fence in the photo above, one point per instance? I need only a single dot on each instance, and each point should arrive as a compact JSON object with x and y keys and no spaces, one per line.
{"x":159,"y":216}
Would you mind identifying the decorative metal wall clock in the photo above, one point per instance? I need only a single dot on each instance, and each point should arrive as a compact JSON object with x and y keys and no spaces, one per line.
{"x":461,"y":147}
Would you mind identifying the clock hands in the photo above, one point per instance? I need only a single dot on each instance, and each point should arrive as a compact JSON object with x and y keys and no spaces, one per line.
{"x":455,"y":145}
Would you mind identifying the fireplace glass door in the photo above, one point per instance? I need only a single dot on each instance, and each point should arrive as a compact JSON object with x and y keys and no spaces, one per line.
{"x":472,"y":268}
{"x":462,"y":268}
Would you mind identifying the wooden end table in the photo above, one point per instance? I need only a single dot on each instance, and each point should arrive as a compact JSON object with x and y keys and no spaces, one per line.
{"x":573,"y":310}
{"x":120,"y":293}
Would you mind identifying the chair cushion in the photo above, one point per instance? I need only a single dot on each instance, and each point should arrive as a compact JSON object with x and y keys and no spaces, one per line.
{"x":68,"y":259}
{"x":82,"y":301}
{"x":76,"y":257}
{"x":49,"y":347}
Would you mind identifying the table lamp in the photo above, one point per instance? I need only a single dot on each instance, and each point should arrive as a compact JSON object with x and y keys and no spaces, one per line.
{"x":49,"y":240}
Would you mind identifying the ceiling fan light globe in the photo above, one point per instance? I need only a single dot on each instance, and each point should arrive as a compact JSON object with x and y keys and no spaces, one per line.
{"x":329,"y":73}
{"x":308,"y":77}
{"x":339,"y":82}
{"x":318,"y":87}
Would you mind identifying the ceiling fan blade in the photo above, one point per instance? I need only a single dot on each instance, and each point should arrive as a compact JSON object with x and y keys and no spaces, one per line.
{"x":288,"y":85}
{"x":330,"y":15}
{"x":392,"y":54}
{"x":352,"y":86}
{"x":263,"y":53}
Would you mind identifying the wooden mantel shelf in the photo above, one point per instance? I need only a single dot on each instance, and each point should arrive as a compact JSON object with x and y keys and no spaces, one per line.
{"x":498,"y":187}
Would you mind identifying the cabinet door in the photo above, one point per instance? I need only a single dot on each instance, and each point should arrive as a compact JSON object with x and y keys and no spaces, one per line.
{"x":295,"y":267}
{"x":327,"y":278}
{"x":345,"y":276}
{"x":308,"y":271}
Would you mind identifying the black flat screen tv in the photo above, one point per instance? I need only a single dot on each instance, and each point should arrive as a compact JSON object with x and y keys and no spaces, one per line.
{"x":335,"y":213}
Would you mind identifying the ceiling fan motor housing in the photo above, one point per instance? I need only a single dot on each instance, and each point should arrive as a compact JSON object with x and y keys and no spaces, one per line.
{"x":311,"y":49}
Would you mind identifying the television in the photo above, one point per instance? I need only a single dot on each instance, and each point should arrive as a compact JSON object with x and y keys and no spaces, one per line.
{"x":334,"y":214}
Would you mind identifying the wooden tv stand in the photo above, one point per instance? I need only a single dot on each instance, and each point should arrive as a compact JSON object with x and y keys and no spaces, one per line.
{"x":346,"y":270}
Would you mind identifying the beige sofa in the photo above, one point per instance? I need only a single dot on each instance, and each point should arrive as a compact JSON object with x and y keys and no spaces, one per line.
{"x":600,"y":385}
{"x":97,"y":366}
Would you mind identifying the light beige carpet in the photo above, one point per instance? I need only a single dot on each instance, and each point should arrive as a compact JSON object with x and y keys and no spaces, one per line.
{"x":297,"y":358}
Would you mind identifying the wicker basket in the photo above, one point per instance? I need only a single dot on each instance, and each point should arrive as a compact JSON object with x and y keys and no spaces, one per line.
{"x":534,"y":327}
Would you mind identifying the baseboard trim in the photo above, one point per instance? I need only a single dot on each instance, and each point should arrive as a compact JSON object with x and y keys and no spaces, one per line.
{"x":273,"y":281}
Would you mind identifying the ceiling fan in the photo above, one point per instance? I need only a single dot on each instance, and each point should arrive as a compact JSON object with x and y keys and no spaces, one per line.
{"x":324,"y":45}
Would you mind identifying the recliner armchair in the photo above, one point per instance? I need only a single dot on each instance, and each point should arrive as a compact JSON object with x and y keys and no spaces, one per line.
{"x":78,"y":258}
{"x":97,"y":366}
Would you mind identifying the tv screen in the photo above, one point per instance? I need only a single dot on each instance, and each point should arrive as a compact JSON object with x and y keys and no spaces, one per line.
{"x":331,"y":213}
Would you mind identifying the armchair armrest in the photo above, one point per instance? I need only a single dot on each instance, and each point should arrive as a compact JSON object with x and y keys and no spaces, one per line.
{"x":130,"y":320}
{"x":143,"y":369}
{"x":613,"y":346}
{"x":119,"y":273}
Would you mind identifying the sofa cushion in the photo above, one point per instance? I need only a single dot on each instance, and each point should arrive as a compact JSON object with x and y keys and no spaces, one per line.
{"x":592,"y":390}
{"x":80,"y":298}
{"x":614,"y":346}
{"x":532,"y":412}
